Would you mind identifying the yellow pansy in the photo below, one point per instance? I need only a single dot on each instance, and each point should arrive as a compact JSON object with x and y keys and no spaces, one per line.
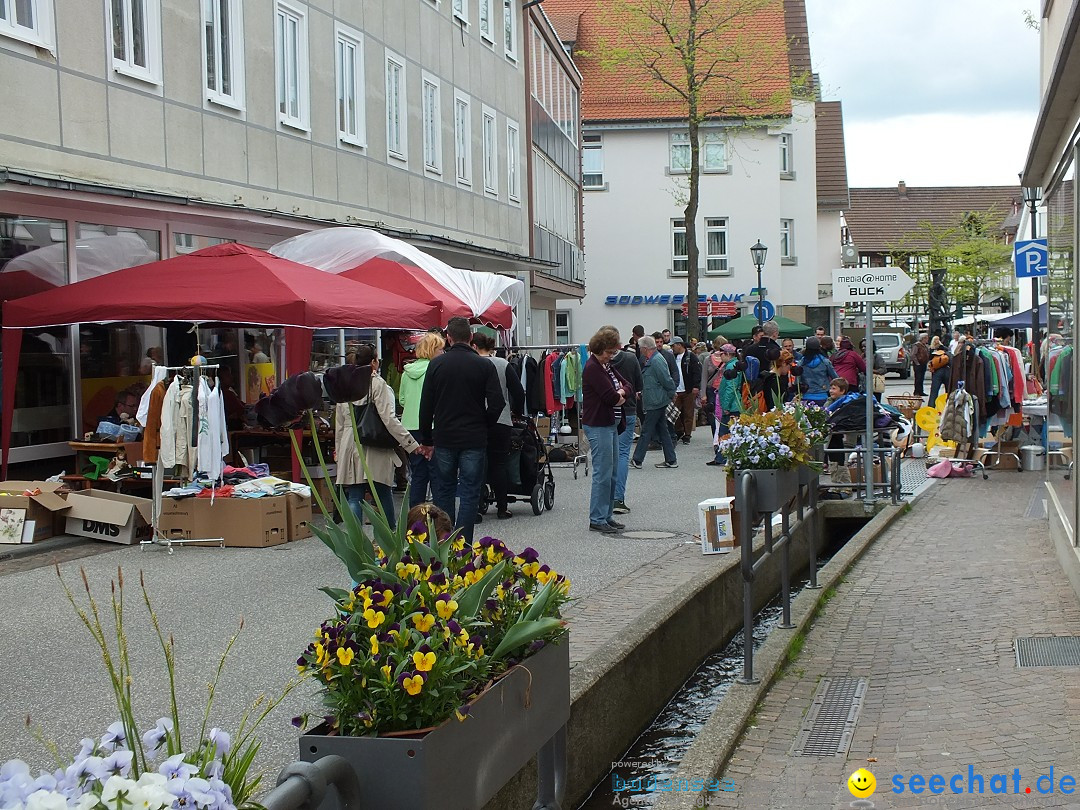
{"x":424,"y":661}
{"x":385,"y":598}
{"x":458,"y":544}
{"x":345,"y":656}
{"x":530,"y":569}
{"x":544,"y":576}
{"x":374,"y":617}
{"x":387,"y":672}
{"x":423,"y":623}
{"x":413,"y":684}
{"x":321,"y":658}
{"x":446,"y":608}
{"x":374,"y":645}
{"x":500,"y":592}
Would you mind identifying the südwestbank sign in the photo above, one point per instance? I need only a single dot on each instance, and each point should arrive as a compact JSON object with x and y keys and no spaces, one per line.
{"x":670,"y":300}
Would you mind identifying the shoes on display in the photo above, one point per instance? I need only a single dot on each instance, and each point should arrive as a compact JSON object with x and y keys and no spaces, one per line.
{"x":620,"y":508}
{"x":667,"y":465}
{"x":603,"y":528}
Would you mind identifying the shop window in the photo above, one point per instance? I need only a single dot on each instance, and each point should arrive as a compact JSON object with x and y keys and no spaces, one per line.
{"x":290,"y":57}
{"x":190,"y":242}
{"x":350,"y":87}
{"x":491,"y":152}
{"x":28,"y":20}
{"x":102,"y":249}
{"x":136,"y":38}
{"x":223,"y":25}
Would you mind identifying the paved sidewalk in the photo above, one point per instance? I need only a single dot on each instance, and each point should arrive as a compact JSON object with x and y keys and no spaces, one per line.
{"x":928,"y":616}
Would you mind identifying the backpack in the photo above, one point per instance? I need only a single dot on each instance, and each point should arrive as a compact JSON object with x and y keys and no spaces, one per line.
{"x":752,"y":401}
{"x":938,"y":359}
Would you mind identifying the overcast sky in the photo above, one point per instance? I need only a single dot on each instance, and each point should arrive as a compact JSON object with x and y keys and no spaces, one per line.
{"x":935,"y":92}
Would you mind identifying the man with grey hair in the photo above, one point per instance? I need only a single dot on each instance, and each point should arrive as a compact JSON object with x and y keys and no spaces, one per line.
{"x":659,"y":389}
{"x":766,"y":349}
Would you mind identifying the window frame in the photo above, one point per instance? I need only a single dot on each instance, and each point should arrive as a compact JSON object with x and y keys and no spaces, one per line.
{"x":678,"y":226}
{"x":151,"y":73}
{"x":675,"y":142}
{"x":42,"y":33}
{"x":787,"y":156}
{"x":487,"y":34}
{"x":459,"y":9}
{"x":489,"y":140}
{"x":714,"y":138}
{"x":510,"y":30}
{"x":717,"y":225}
{"x":513,"y":162}
{"x":345,"y":36}
{"x":591,"y":143}
{"x":787,"y":242}
{"x":235,"y":99}
{"x":301,"y":121}
{"x":432,"y":122}
{"x":401,"y":136}
{"x":463,"y":139}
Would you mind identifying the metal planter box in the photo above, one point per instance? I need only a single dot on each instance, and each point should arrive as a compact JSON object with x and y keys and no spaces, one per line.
{"x":774,"y":489}
{"x":460,"y":765}
{"x":808,"y":475}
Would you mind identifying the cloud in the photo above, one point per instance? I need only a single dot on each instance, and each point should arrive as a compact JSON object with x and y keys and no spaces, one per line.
{"x":938,"y":149}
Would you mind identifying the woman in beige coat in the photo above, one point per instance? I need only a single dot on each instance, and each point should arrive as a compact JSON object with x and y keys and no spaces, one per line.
{"x":381,"y":461}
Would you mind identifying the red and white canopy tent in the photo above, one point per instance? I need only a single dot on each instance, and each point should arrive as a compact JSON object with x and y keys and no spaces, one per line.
{"x":227,"y":283}
{"x":396,"y":266}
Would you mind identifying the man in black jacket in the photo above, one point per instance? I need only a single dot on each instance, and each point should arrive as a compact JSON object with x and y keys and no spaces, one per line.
{"x":686,"y":389}
{"x":463,"y":398}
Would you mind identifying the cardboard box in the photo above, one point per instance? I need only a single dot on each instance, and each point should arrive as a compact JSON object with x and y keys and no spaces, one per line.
{"x":298,"y":509}
{"x":716,"y":526}
{"x":44,"y":509}
{"x":242,"y":522}
{"x":109,"y":516}
{"x":856,"y":471}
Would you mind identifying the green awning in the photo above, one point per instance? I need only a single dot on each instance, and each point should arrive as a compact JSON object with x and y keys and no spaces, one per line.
{"x":739,"y":328}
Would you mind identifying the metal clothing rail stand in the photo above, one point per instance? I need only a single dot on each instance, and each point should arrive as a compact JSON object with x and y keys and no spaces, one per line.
{"x":557,"y":418}
{"x":156,"y":539}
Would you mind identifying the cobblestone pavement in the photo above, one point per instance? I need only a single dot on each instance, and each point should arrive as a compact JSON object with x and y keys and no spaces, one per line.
{"x":928,"y":617}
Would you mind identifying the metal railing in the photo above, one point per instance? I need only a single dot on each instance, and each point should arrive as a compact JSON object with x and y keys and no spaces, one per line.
{"x":303,"y":785}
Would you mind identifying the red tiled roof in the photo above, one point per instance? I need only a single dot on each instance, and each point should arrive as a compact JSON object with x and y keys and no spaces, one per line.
{"x":625,"y":92}
{"x":884,"y":219}
{"x":832,"y":185}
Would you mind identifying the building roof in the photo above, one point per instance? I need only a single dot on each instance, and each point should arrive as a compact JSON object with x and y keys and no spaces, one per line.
{"x":884,"y":219}
{"x":625,"y":92}
{"x":832,"y":184}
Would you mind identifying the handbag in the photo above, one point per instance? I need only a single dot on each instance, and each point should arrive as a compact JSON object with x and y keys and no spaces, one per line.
{"x":879,"y":383}
{"x":672,"y":412}
{"x":369,"y":425}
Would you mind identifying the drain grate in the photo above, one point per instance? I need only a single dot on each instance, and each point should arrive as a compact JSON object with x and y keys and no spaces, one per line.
{"x":830,"y":722}
{"x":1048,"y":651}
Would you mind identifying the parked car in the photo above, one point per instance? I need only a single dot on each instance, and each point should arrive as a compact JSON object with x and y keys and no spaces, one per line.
{"x":891,"y":347}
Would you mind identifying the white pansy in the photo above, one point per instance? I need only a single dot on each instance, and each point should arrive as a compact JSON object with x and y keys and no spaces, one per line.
{"x":46,"y":800}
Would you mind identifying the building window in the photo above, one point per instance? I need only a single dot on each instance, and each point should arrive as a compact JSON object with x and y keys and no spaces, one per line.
{"x":290,"y":44}
{"x":28,"y":20}
{"x":513,"y":149}
{"x":716,"y":258}
{"x":786,"y":166}
{"x":592,"y":161}
{"x":491,"y":152}
{"x":461,"y":10}
{"x":562,"y":326}
{"x":715,"y":152}
{"x":484,"y":12}
{"x":136,"y":38}
{"x":224,"y":51}
{"x":396,"y":108}
{"x":679,"y":260}
{"x":351,"y":124}
{"x":432,"y":125}
{"x":462,"y":140}
{"x":509,"y":30}
{"x":787,"y":241}
{"x":680,"y":153}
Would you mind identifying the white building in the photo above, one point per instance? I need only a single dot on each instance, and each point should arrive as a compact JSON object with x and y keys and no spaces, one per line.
{"x":759,"y":182}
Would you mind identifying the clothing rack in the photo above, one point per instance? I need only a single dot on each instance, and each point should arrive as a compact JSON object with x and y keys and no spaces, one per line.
{"x":556,"y":419}
{"x":159,"y":471}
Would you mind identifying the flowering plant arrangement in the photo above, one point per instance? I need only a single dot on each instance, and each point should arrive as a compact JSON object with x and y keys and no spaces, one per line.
{"x":812,"y":418}
{"x":160,"y":769}
{"x":773,"y":440}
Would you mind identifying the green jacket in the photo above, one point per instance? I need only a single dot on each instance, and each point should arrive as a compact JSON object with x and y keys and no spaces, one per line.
{"x":730,"y":391}
{"x":412,"y":384}
{"x":659,"y":387}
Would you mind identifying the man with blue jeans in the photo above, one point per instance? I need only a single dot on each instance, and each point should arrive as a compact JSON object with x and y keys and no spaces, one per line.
{"x":659,"y":391}
{"x":462,"y":397}
{"x":626,"y":364}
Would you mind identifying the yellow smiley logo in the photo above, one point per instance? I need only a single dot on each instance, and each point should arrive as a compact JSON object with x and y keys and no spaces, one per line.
{"x":862,"y":784}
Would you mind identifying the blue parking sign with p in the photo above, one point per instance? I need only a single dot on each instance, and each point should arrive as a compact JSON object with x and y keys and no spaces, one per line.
{"x":1032,"y":258}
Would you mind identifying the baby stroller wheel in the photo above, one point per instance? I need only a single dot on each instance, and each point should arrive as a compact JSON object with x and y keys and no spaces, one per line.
{"x":549,"y":495}
{"x":537,"y":499}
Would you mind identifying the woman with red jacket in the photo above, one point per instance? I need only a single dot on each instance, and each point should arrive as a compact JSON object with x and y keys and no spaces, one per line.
{"x":848,"y":363}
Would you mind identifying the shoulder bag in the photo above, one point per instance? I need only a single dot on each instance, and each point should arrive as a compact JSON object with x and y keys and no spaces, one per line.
{"x":369,"y":425}
{"x":672,"y":412}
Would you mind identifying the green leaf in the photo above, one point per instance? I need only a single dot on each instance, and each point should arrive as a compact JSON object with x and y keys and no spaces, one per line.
{"x":540,"y":602}
{"x":524,"y":633}
{"x":337,"y":594}
{"x":470,"y":599}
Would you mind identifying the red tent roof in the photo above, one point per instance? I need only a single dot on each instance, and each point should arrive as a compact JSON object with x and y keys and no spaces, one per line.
{"x":229,"y":283}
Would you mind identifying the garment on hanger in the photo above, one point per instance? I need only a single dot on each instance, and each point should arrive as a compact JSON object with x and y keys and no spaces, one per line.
{"x":159,"y":374}
{"x":152,"y":423}
{"x":213,"y":435}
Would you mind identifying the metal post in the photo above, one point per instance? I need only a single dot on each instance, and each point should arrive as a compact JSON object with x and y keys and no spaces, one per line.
{"x":785,"y":569}
{"x":551,"y":773}
{"x":868,"y":449}
{"x":813,"y":539}
{"x":747,"y":492}
{"x":1035,"y":299}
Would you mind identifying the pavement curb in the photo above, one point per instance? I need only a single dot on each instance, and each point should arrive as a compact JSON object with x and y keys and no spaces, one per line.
{"x":718,"y":737}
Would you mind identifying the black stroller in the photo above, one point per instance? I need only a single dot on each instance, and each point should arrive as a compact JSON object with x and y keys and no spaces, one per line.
{"x":529,"y":473}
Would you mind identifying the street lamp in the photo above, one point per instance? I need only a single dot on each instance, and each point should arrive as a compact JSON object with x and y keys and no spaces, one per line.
{"x":757,"y":253}
{"x":1032,"y":194}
